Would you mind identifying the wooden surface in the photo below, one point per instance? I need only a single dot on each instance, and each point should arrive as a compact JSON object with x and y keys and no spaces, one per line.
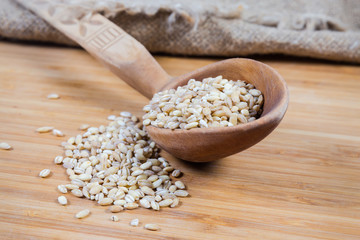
{"x":301,"y":182}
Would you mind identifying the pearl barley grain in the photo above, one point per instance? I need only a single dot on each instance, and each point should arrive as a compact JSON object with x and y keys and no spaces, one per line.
{"x":131,"y":206}
{"x":114,"y":218}
{"x":175,"y":203}
{"x":83,"y":214}
{"x":58,"y":159}
{"x":145,"y":203}
{"x":105,"y":201}
{"x":84,"y":127}
{"x":115,"y":208}
{"x":176,"y":173}
{"x":165,"y":203}
{"x":44,"y":129}
{"x":151,"y":227}
{"x":53,"y":96}
{"x":181,"y":193}
{"x":5,"y":146}
{"x":62,"y":188}
{"x":180,"y":185}
{"x":57,"y":133}
{"x":134,"y":222}
{"x":62,"y":200}
{"x":155,"y":206}
{"x":77,"y":193}
{"x":45,"y":173}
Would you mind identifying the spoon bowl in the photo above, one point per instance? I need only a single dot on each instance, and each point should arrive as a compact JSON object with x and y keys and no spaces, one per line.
{"x":208,"y":144}
{"x":129,"y":60}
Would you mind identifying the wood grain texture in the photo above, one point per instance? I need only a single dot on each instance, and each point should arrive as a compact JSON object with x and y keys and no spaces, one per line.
{"x":301,"y":182}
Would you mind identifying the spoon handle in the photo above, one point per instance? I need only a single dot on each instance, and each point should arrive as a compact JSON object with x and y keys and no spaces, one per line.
{"x":122,"y":54}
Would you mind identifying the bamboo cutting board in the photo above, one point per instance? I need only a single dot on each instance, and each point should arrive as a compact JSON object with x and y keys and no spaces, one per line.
{"x":301,"y":182}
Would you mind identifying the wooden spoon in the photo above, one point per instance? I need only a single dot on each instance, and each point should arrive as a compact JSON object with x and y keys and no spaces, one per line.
{"x":131,"y":62}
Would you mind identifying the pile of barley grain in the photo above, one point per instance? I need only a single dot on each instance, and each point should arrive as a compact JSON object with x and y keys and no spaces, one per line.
{"x":119,"y":165}
{"x":212,"y":102}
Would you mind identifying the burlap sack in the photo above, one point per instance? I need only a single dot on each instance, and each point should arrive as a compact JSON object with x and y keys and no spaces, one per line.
{"x":327,"y":29}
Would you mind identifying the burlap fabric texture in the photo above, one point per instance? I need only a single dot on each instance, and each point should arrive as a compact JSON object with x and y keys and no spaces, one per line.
{"x":326,"y":29}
